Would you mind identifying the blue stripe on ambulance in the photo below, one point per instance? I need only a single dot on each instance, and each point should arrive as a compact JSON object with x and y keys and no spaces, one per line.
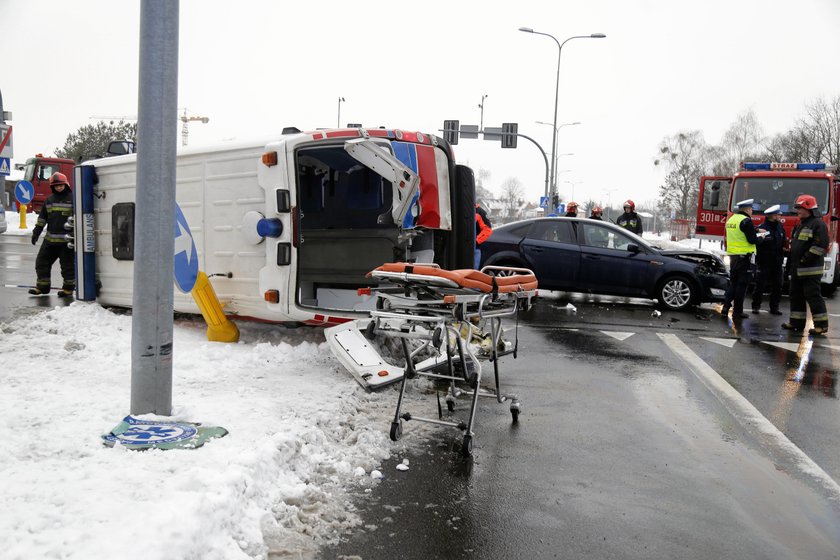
{"x":85,"y":178}
{"x":406,"y":152}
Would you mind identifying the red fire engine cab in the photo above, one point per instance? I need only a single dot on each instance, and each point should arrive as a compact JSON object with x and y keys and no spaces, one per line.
{"x":769,"y":184}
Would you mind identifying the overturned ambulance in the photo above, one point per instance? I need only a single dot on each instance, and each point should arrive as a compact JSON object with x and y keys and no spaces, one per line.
{"x":287,"y":228}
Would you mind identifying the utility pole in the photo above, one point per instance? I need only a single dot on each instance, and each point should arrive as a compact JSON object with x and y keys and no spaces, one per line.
{"x":481,"y":106}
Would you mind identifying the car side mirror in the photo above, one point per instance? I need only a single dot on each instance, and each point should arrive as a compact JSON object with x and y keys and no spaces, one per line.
{"x":633,"y":248}
{"x":835,"y":219}
{"x":714,"y":199}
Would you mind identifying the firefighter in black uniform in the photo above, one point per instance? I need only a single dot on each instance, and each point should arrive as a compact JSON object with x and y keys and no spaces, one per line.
{"x":808,"y":245}
{"x":629,"y":220}
{"x":769,"y":259}
{"x":57,"y":208}
{"x":571,"y":210}
{"x":596,"y":214}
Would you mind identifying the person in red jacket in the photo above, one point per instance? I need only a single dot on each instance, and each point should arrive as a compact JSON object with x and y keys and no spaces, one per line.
{"x":483,"y":229}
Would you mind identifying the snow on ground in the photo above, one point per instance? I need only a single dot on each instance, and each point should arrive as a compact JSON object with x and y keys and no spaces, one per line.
{"x":303,"y":435}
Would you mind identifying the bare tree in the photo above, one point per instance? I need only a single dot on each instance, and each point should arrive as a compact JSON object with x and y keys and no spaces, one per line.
{"x":481,"y":191}
{"x":684,"y":156}
{"x":511,"y":196}
{"x":743,"y":141}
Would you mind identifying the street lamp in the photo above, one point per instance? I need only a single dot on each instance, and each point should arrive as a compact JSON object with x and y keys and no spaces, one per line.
{"x":557,"y":88}
{"x":481,"y":106}
{"x":338,"y":124}
{"x":574,"y":184}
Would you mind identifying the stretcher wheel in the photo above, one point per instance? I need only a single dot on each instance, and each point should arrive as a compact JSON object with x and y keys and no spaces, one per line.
{"x":514,"y":411}
{"x":467,"y":447}
{"x":396,"y":431}
{"x":437,"y":337}
{"x":450,"y":405}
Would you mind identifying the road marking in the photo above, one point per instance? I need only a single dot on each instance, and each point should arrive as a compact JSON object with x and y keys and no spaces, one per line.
{"x":791,"y":346}
{"x":748,"y":415}
{"x":728,"y":342}
{"x":618,"y":335}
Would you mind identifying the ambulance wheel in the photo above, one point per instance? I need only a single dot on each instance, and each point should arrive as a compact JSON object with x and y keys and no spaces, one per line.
{"x":467,"y":446}
{"x":396,"y":431}
{"x":370,"y":330}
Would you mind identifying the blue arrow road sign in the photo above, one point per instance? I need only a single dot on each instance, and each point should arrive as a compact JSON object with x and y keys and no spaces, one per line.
{"x":24,"y":192}
{"x":186,"y":256}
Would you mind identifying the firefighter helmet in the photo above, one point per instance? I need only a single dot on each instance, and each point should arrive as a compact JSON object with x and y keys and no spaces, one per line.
{"x":597,"y":210}
{"x":805,"y":201}
{"x":58,"y":179}
{"x":571,"y":206}
{"x":631,"y":204}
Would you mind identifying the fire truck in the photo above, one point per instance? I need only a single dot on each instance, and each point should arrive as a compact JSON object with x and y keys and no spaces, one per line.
{"x":769,"y":184}
{"x":38,"y":171}
{"x":288,"y":227}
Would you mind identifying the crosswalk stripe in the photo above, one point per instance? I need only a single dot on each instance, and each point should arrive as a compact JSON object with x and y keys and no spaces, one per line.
{"x":618,"y":335}
{"x":791,"y":346}
{"x":728,"y":342}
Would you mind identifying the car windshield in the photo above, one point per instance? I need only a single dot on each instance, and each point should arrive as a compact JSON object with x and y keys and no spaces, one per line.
{"x":768,"y":191}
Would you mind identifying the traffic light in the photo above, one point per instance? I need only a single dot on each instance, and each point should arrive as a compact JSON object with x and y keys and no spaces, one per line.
{"x":450,"y":131}
{"x":509,"y":136}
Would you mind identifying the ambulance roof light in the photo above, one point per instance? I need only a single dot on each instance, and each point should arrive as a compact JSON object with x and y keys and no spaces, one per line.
{"x":755,"y":166}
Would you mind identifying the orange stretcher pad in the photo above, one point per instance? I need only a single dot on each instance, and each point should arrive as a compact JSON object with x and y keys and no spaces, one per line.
{"x":464,"y":278}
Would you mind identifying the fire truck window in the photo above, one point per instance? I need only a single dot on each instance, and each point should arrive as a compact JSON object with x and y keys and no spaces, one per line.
{"x":46,"y":171}
{"x":122,"y":231}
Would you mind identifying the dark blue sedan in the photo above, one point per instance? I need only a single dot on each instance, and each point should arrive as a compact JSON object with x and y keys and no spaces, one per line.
{"x":583,"y":255}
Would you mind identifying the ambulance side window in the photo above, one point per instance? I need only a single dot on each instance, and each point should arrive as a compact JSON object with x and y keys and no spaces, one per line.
{"x":122,"y":231}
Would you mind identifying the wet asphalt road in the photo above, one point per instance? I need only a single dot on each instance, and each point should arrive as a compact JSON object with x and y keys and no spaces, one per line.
{"x":620,"y":451}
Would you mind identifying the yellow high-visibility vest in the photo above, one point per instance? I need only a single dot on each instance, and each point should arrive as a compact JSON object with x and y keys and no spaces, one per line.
{"x":736,"y":240}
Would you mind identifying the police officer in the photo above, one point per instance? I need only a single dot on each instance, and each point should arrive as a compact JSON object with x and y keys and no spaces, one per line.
{"x":809,"y":243}
{"x":571,"y":210}
{"x":740,"y":246}
{"x":596,"y":213}
{"x":769,"y":260}
{"x":57,"y":208}
{"x":483,"y":229}
{"x":629,"y":220}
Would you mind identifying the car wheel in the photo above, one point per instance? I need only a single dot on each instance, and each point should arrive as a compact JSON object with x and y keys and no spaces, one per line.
{"x":676,"y":293}
{"x":505,"y":272}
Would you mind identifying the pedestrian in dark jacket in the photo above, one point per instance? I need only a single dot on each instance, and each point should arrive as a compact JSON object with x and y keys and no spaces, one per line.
{"x":630,"y":220}
{"x":769,"y":260}
{"x":57,"y":208}
{"x":808,"y":246}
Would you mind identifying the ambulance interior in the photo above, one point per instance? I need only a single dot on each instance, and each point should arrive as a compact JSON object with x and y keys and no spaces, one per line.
{"x":346,"y":227}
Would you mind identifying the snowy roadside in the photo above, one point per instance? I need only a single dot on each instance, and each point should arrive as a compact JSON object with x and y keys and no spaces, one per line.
{"x":302,"y":435}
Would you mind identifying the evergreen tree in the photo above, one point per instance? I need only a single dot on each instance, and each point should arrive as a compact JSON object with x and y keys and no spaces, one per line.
{"x":92,"y":140}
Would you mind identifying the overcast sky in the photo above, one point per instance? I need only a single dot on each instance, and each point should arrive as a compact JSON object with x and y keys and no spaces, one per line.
{"x":254,"y":67}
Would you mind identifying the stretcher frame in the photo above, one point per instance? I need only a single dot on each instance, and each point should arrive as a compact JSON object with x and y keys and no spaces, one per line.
{"x":424,"y":303}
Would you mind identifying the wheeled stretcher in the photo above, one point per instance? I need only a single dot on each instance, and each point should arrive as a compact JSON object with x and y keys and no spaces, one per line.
{"x":447,"y":323}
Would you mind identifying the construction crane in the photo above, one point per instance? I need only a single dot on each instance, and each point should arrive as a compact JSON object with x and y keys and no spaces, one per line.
{"x":185,"y":131}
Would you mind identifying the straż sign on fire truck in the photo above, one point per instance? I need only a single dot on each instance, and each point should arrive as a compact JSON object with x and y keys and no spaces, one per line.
{"x":769,"y":184}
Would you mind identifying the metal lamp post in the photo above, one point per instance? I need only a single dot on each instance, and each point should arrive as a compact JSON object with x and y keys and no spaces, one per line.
{"x":481,"y":106}
{"x":338,"y":123}
{"x":557,"y":89}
